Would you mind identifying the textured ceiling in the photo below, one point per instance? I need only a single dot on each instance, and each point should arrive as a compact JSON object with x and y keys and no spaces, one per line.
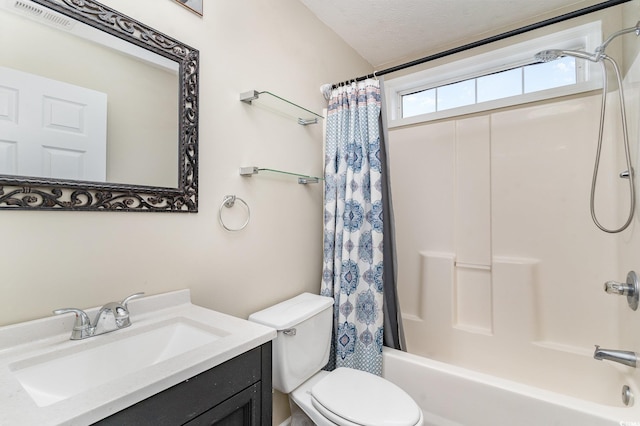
{"x":387,"y":31}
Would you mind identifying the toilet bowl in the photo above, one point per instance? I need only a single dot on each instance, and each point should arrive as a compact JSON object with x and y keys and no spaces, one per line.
{"x":345,"y":397}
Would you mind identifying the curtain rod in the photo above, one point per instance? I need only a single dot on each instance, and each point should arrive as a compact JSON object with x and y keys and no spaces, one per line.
{"x":498,"y":37}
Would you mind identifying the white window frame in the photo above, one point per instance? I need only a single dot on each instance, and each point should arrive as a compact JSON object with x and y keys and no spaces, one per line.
{"x":584,"y":37}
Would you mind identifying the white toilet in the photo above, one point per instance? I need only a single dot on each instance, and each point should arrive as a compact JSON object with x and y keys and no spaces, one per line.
{"x":345,"y":397}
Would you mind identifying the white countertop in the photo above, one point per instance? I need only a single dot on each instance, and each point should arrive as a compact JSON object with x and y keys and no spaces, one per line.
{"x":40,"y":337}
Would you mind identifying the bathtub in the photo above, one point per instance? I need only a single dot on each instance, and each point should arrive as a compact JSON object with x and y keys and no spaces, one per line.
{"x":453,"y":396}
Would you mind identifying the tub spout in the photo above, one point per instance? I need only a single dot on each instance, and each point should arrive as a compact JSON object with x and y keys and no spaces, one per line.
{"x":623,"y":357}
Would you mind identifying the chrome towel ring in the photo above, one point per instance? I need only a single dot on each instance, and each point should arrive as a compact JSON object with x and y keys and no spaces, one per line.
{"x":229,"y":201}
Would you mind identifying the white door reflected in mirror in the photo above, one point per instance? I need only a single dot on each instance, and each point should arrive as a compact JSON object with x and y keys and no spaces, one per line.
{"x":51,"y":129}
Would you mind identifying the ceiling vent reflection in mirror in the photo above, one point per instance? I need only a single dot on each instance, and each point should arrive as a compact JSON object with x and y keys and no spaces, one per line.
{"x":51,"y":18}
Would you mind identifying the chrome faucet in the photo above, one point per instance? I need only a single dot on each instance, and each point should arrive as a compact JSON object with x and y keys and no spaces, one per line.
{"x":112,"y":316}
{"x":628,"y":358}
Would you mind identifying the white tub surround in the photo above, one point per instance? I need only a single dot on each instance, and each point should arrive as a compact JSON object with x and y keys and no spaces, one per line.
{"x":505,"y":275}
{"x":30,"y":345}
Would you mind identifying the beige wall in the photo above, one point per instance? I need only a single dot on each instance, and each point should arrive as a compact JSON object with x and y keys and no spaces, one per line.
{"x":57,"y":259}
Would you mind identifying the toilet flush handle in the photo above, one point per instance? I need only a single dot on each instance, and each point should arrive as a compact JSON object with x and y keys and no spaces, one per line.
{"x":289,"y":332}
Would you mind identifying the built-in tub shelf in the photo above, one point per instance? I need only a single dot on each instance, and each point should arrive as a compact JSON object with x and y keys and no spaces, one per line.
{"x":302,"y":179}
{"x":277,"y":103}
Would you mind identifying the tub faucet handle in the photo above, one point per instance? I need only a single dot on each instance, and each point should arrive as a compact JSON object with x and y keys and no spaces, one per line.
{"x":615,"y":287}
{"x":629,"y":289}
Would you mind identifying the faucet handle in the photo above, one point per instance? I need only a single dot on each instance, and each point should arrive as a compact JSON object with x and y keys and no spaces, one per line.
{"x":82,"y":319}
{"x":129,"y":298}
{"x":615,"y":287}
{"x":631,"y":289}
{"x":82,"y":327}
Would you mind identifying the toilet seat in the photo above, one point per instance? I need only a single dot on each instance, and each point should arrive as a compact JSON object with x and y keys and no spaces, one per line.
{"x":351,"y":397}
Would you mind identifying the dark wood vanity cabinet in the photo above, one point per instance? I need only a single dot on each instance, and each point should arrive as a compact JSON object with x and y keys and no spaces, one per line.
{"x":237,"y":392}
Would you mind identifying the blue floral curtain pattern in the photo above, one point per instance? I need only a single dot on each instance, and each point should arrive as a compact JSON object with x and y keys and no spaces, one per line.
{"x":353,"y":251}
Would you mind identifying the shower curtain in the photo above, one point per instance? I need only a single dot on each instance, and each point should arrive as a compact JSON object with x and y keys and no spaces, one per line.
{"x":354,"y":271}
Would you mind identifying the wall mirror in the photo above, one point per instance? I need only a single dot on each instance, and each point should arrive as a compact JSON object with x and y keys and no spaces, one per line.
{"x":98,"y":111}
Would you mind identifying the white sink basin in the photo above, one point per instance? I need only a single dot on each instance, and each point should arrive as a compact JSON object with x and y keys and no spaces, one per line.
{"x":60,"y":375}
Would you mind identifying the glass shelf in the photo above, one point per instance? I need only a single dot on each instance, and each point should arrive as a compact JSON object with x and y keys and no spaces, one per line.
{"x":277,"y":103}
{"x":302,"y":179}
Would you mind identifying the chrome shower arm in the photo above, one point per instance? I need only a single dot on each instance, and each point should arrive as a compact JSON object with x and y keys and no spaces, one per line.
{"x":636,"y":29}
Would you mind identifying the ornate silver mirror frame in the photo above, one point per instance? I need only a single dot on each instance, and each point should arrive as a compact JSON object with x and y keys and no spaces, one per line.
{"x":26,"y":193}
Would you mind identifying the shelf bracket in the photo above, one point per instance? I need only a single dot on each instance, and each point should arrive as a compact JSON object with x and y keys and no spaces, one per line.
{"x":306,"y":180}
{"x":248,"y":97}
{"x":306,"y":122}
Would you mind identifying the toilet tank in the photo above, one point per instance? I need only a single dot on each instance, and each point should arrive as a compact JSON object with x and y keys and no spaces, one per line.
{"x":304,"y":338}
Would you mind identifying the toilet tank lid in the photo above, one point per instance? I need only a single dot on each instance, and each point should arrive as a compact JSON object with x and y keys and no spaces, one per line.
{"x":291,"y":312}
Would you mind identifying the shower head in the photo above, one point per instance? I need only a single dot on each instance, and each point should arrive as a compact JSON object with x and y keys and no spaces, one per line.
{"x":548,"y":55}
{"x":553,"y":54}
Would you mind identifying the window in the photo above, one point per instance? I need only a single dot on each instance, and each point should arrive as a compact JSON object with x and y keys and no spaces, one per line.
{"x":561,"y":72}
{"x":503,"y":77}
{"x":498,"y":85}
